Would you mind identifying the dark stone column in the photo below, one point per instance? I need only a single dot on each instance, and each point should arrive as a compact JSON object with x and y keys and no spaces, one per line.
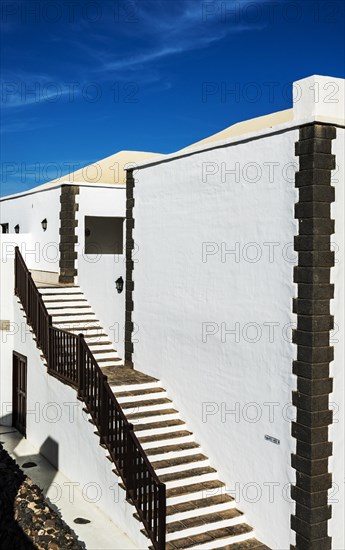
{"x":68,"y":237}
{"x":314,"y":321}
{"x":129,"y":268}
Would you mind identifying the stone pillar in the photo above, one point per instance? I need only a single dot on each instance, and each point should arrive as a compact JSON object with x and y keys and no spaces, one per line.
{"x":129,"y":268}
{"x":68,"y":237}
{"x":314,"y":321}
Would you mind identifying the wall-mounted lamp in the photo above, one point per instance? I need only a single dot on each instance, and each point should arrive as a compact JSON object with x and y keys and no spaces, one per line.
{"x":119,"y":285}
{"x":16,"y":228}
{"x":44,"y":224}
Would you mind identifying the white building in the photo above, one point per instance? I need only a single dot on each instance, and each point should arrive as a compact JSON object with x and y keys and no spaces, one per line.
{"x":233,"y":306}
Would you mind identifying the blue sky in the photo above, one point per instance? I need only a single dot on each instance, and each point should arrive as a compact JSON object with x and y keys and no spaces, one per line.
{"x":82,"y":79}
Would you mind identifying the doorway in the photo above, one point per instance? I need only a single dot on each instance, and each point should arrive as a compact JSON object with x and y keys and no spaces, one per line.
{"x":19,"y":392}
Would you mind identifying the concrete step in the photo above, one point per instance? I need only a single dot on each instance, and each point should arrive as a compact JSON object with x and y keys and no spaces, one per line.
{"x":59,"y":289}
{"x":72,"y":318}
{"x":166,"y":439}
{"x":139,"y":392}
{"x":220,"y":538}
{"x":90,"y":326}
{"x":167,"y":452}
{"x":68,"y":299}
{"x":94,"y":335}
{"x":250,"y":543}
{"x":189,"y":477}
{"x":104,"y":354}
{"x":144,"y":431}
{"x":157,"y":393}
{"x":154,"y":416}
{"x":180,"y":463}
{"x":100,"y":349}
{"x":103,"y":344}
{"x":160,"y":424}
{"x":204,"y":524}
{"x":113,"y":362}
{"x":199,"y":507}
{"x":195,"y":491}
{"x":151,"y":405}
{"x":61,"y":304}
{"x":70,"y":310}
{"x":65,"y":294}
{"x":134,"y":387}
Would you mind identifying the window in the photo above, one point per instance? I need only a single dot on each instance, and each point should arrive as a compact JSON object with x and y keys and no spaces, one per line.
{"x":103,"y":235}
{"x":5,"y":228}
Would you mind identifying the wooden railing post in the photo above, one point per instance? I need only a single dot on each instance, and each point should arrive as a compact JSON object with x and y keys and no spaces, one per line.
{"x":130,"y":462}
{"x":161,"y":516}
{"x":16,"y":271}
{"x":49,"y":340}
{"x":81,"y":365}
{"x":26,"y":303}
{"x":104,"y":411}
{"x":37,"y":322}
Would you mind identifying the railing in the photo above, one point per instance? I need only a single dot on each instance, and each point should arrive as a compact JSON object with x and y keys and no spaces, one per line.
{"x":70,"y":359}
{"x":36,"y":312}
{"x":63,"y":355}
{"x":142,"y":484}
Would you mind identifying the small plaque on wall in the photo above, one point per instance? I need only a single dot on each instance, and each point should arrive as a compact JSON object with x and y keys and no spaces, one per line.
{"x":4,"y":325}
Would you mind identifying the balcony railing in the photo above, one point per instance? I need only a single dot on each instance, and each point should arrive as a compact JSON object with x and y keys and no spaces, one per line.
{"x":69,"y":359}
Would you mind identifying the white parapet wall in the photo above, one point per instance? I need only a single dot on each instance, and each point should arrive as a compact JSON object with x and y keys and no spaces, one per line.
{"x":28,"y":210}
{"x":213,"y":290}
{"x":213,"y":309}
{"x":321,"y":98}
{"x":98,"y":272}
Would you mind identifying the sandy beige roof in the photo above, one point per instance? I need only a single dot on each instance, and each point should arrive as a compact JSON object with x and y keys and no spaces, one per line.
{"x":108,"y":170}
{"x":245,"y":127}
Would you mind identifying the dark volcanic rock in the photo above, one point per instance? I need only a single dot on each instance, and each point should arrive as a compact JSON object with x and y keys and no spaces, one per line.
{"x":27,"y":522}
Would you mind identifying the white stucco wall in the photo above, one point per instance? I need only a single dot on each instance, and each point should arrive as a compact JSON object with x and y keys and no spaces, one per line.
{"x":28,"y":211}
{"x":337,"y":398}
{"x":97,"y":273}
{"x":57,"y":426}
{"x":179,"y":294}
{"x":54,"y":415}
{"x":7,"y":246}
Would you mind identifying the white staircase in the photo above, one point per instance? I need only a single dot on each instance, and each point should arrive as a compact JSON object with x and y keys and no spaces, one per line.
{"x":200,"y":513}
{"x":71,"y":311}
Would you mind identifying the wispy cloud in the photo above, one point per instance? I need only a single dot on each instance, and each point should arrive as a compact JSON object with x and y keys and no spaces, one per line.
{"x":23,"y":89}
{"x":161,"y":29}
{"x":171,"y":32}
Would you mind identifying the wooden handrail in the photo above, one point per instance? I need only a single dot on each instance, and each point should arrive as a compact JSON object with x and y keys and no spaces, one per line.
{"x":70,"y":359}
{"x":36,"y":312}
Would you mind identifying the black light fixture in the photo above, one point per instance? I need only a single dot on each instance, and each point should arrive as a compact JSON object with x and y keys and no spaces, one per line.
{"x":16,"y":228}
{"x":119,"y":285}
{"x":44,"y":224}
